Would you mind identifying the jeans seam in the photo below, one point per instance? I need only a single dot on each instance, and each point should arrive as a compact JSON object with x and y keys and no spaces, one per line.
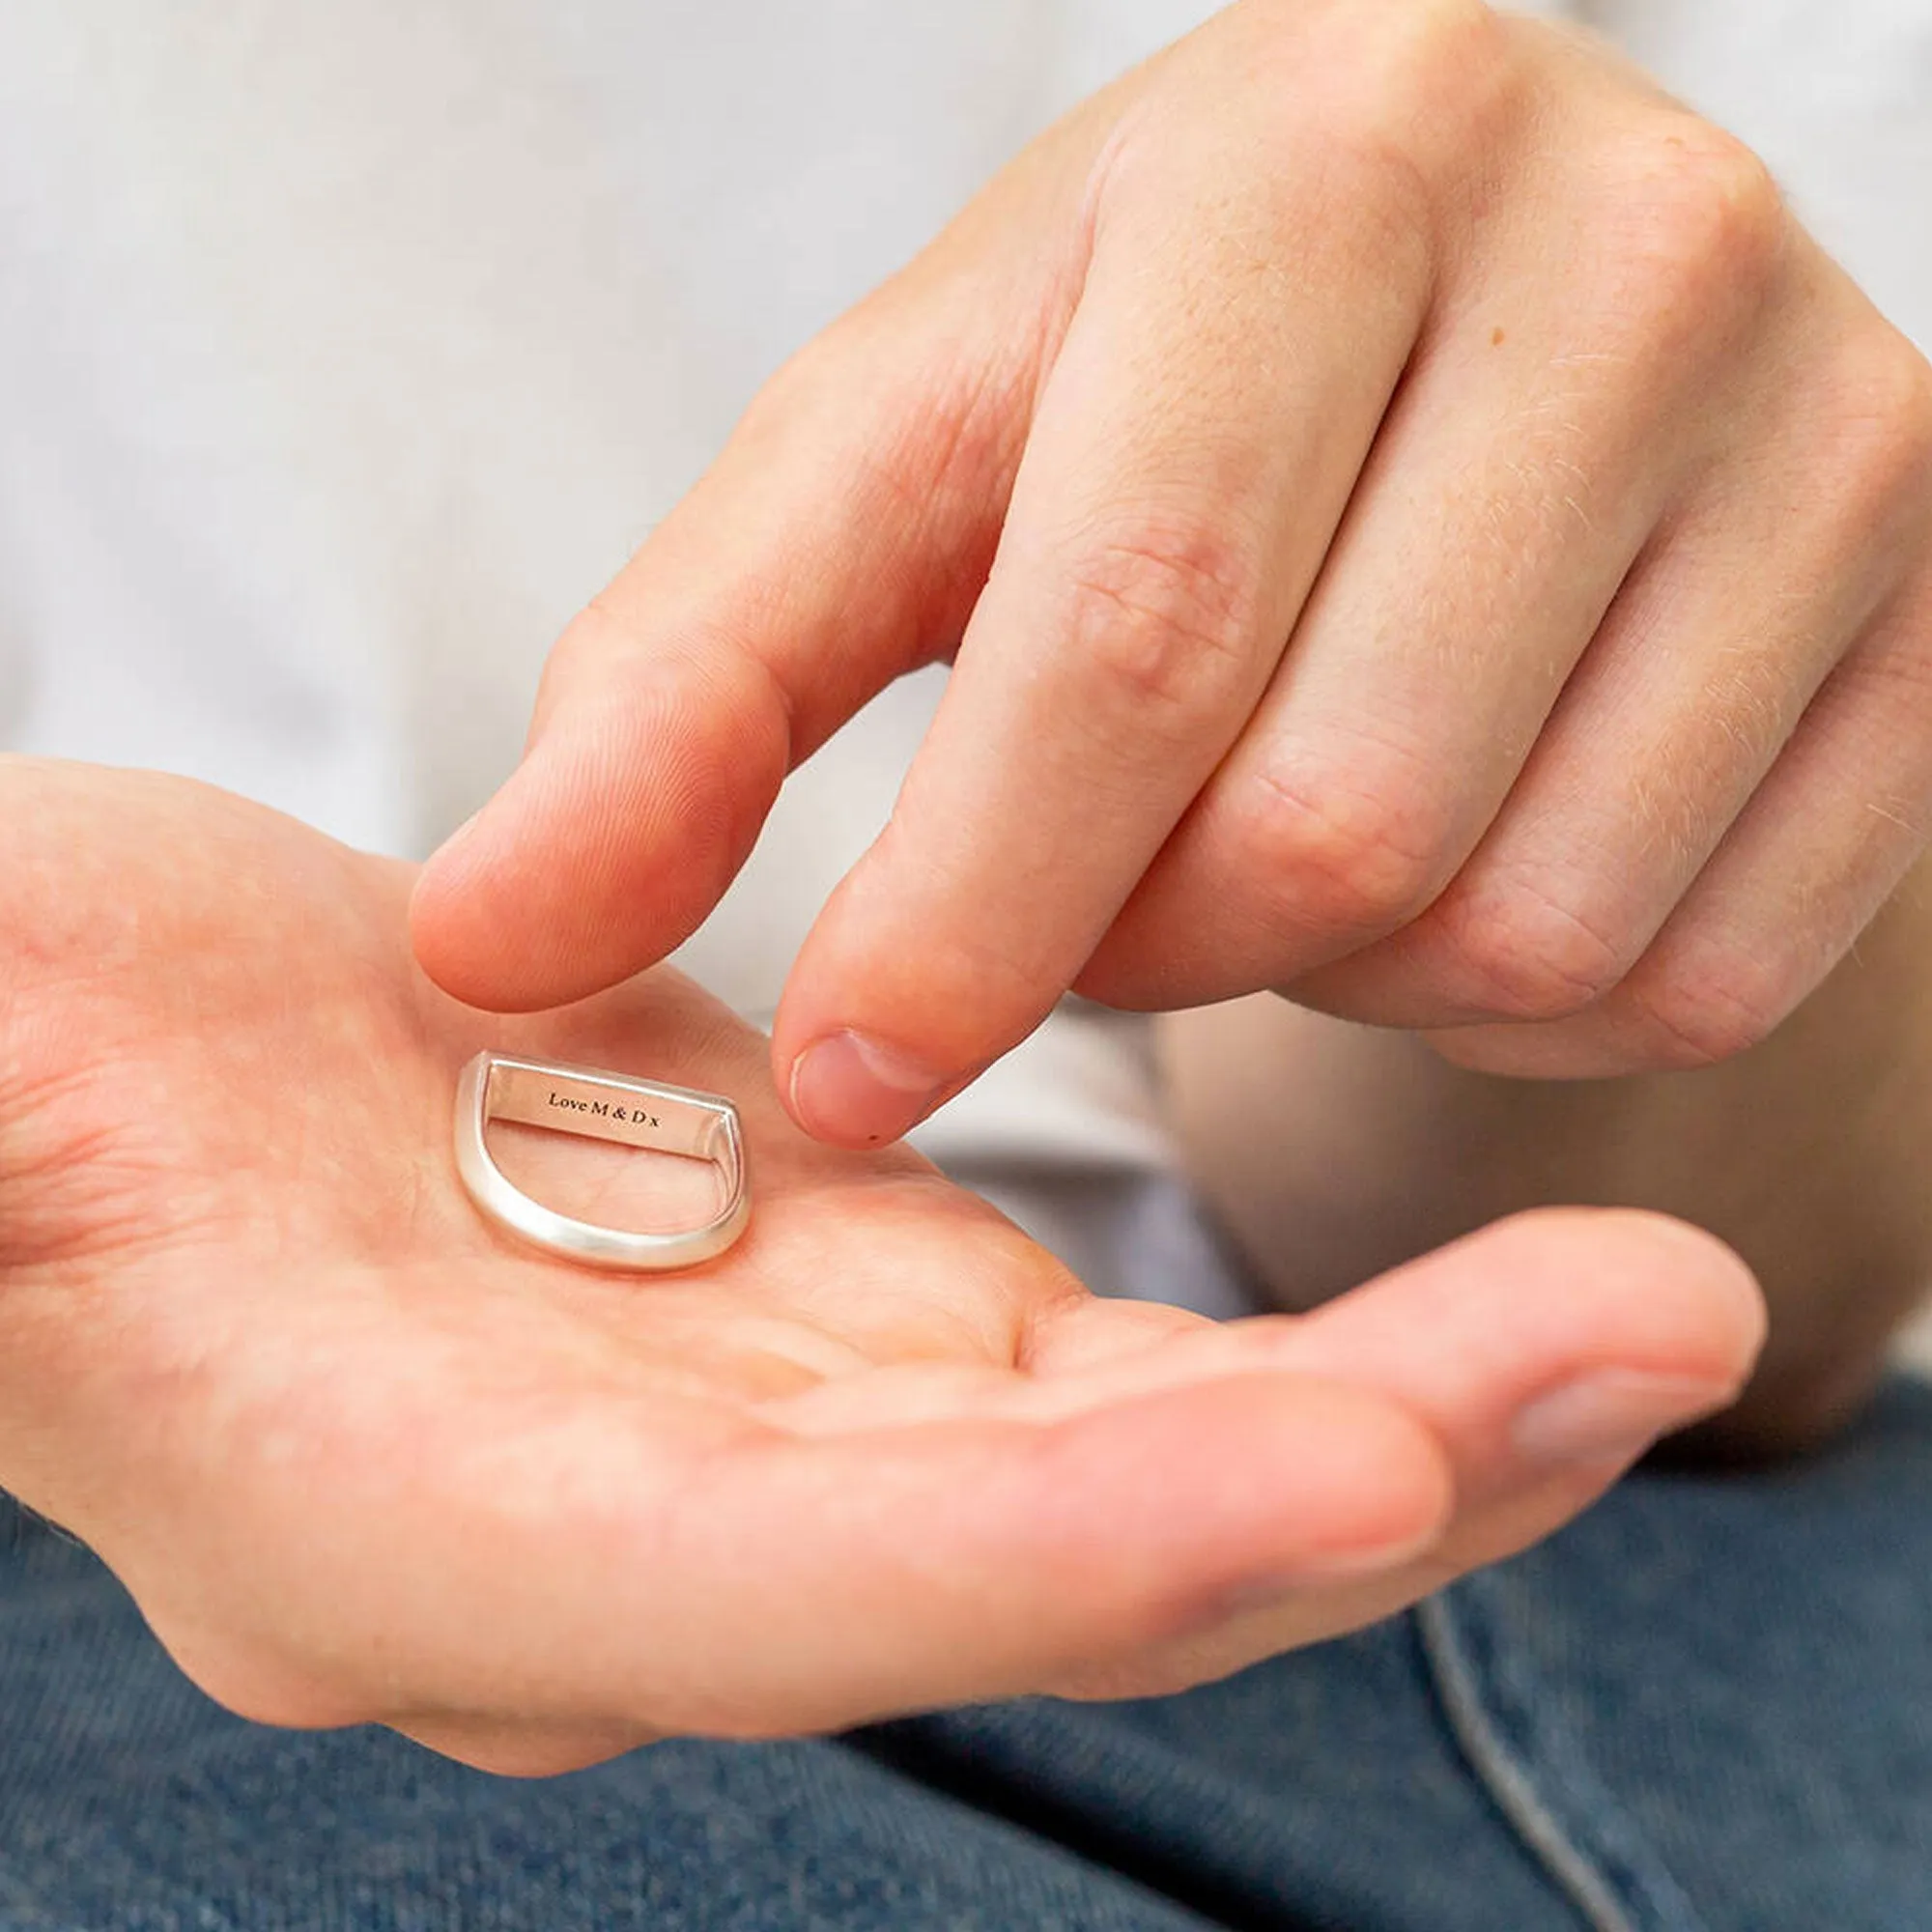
{"x":1539,"y":1776}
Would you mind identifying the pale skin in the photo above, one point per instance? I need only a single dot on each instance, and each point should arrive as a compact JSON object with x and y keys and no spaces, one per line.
{"x":1418,"y":527}
{"x":1416,"y":523}
{"x":360,"y":1457}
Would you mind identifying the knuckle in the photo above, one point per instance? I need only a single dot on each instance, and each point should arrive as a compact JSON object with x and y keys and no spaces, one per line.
{"x":1165,"y":623}
{"x":1391,"y":105}
{"x":1409,"y":93}
{"x":1520,"y":953}
{"x":1712,"y":1002}
{"x":1350,"y":860}
{"x":1704,"y":217}
{"x":793,"y":399}
{"x":814,"y":383}
{"x":1415,"y":64}
{"x":939,"y":426}
{"x":1881,"y":408}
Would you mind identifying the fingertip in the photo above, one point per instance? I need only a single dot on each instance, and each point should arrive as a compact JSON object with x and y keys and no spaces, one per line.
{"x":852,"y":1091}
{"x":1729,"y":1295}
{"x":875,"y":1029}
{"x":603,"y":850}
{"x":1709,"y":1322}
{"x":514,"y":911}
{"x":452,"y":912}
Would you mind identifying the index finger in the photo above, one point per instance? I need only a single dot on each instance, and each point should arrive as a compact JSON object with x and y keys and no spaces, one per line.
{"x":833,"y":546}
{"x":1191,"y":457}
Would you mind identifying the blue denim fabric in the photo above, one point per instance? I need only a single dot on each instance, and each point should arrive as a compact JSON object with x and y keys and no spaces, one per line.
{"x":1706,"y":1705}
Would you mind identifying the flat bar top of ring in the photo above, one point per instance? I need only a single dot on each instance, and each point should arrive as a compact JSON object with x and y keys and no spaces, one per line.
{"x":600,"y":1107}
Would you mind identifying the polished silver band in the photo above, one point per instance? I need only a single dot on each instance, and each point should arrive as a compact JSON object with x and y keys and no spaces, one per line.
{"x":605,"y":1107}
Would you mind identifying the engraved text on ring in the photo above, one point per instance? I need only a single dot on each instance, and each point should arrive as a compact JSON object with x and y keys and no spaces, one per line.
{"x":635,"y":1116}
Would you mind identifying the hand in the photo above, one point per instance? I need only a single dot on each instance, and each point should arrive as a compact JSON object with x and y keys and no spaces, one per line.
{"x":357,"y":1458}
{"x":1421,"y":528}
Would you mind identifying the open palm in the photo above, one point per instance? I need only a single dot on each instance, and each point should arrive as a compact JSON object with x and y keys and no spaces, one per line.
{"x":360,"y":1457}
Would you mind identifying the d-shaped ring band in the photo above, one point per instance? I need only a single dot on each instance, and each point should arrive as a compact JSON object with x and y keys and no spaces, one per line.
{"x":605,"y":1107}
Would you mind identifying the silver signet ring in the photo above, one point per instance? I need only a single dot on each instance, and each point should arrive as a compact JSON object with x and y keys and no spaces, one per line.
{"x":606,"y":1107}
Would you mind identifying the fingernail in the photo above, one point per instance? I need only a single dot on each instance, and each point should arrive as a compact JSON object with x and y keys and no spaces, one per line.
{"x":1320,"y":1568}
{"x":1614,"y":1414}
{"x":856,"y":1092}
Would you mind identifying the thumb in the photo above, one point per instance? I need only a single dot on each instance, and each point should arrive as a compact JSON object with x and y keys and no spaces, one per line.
{"x":837,"y":542}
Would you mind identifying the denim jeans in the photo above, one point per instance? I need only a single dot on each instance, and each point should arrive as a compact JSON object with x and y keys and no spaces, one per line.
{"x":1707,"y":1704}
